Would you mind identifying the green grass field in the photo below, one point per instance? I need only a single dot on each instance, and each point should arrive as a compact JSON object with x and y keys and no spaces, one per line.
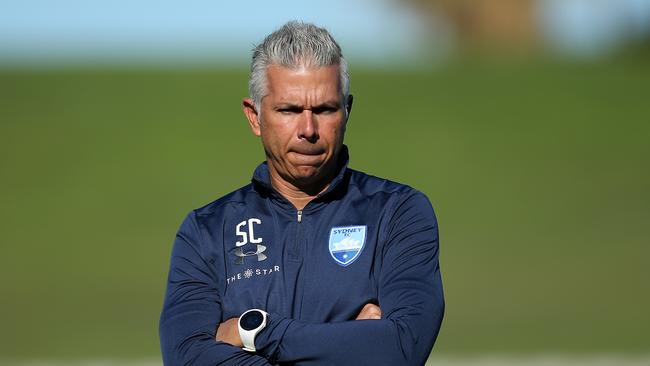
{"x":539,"y":173}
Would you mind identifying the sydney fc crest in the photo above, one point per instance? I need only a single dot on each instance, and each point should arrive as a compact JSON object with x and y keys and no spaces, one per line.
{"x":346,"y":243}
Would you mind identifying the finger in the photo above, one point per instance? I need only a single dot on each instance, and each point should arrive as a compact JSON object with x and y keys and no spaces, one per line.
{"x":369,"y":311}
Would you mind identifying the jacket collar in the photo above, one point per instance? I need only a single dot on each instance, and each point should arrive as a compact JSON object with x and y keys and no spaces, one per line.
{"x":262,"y":179}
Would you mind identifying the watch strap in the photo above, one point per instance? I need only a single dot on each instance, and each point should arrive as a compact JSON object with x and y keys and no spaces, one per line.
{"x":248,"y":336}
{"x":248,"y":339}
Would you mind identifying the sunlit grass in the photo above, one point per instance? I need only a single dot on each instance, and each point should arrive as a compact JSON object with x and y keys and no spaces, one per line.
{"x":538,"y":174}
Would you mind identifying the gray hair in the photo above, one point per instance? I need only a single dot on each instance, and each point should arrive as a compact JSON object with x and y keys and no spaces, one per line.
{"x":295,"y":44}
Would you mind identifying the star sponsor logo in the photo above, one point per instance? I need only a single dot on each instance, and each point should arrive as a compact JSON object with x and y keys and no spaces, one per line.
{"x":251,"y":273}
{"x":346,"y":243}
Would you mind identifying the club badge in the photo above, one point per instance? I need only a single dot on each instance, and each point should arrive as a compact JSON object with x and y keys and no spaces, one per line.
{"x":346,"y":243}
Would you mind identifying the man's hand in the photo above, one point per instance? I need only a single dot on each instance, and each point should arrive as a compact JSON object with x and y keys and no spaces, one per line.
{"x":228,"y":332}
{"x":369,"y":311}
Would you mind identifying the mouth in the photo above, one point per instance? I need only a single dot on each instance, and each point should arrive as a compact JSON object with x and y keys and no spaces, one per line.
{"x":310,"y":157}
{"x":307,"y":150}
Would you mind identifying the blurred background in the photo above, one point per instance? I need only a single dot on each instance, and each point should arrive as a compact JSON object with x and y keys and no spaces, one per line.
{"x":526,"y":122}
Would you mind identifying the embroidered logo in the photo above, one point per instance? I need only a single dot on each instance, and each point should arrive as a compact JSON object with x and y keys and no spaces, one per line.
{"x":239,"y":252}
{"x":346,"y":243}
{"x":246,"y":232}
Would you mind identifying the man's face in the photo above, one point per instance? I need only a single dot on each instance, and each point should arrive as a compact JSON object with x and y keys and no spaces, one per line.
{"x":302,"y":123}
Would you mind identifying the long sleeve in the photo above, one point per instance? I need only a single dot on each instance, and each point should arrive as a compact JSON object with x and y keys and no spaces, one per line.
{"x":410,"y":297}
{"x":192,"y":309}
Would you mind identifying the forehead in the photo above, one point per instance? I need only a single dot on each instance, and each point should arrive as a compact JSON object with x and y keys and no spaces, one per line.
{"x":284,"y":83}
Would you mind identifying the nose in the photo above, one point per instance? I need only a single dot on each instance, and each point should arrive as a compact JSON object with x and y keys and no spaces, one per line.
{"x":308,"y":128}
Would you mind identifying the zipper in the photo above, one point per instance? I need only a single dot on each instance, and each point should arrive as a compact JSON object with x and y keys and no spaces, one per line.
{"x":299,"y":254}
{"x":295,"y":247}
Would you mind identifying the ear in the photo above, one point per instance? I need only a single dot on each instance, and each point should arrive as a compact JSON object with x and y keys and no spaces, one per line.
{"x":348,"y":104}
{"x":252,"y":115}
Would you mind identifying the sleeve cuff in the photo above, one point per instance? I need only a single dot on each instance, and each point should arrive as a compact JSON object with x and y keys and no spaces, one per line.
{"x":267,"y":342}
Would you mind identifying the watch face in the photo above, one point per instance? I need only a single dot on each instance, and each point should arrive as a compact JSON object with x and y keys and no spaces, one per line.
{"x":251,"y":320}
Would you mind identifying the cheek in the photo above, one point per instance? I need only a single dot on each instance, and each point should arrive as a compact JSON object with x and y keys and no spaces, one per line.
{"x":335,"y":132}
{"x":274,"y":137}
{"x":268,"y":141}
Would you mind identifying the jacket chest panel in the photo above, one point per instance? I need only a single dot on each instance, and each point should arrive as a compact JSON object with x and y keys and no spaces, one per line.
{"x":321,"y":268}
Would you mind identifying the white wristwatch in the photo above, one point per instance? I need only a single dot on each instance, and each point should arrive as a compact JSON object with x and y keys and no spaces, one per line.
{"x":250,"y":323}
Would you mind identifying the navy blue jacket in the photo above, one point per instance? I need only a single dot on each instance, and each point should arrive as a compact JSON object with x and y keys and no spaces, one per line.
{"x":364,"y":239}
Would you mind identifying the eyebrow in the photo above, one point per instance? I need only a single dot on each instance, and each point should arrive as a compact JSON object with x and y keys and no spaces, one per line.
{"x":289,"y":105}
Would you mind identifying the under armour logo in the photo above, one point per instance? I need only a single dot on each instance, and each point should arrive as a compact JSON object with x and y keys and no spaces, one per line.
{"x":239,"y":252}
{"x":248,"y":236}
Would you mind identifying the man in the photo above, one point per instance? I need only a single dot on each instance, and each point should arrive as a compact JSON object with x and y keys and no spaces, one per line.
{"x":313,"y":263}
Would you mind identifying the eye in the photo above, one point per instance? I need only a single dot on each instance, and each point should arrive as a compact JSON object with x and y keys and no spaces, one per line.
{"x":289,"y":110}
{"x":324,"y":110}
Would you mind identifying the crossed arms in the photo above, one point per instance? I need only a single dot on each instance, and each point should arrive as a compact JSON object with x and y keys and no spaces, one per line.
{"x":228,"y":331}
{"x":410,"y":298}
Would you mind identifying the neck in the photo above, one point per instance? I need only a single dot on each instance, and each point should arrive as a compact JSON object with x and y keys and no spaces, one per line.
{"x":301,"y":194}
{"x":298,"y":196}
